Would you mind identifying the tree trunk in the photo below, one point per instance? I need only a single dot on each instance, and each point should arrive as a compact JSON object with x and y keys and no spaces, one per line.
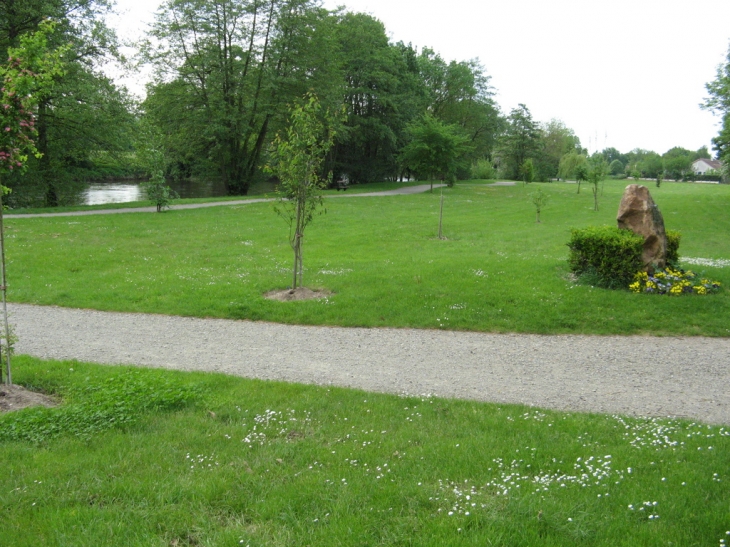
{"x":441,"y":213}
{"x":8,"y":377}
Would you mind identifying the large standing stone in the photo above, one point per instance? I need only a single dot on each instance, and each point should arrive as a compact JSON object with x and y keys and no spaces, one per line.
{"x":639,"y":213}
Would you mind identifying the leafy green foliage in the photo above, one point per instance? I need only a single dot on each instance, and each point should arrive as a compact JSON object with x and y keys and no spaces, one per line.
{"x":521,"y":141}
{"x":27,"y":78}
{"x":527,"y":170}
{"x":616,"y":168}
{"x":612,"y":255}
{"x":84,"y":113}
{"x":482,"y":169}
{"x":435,"y":149}
{"x":597,"y":171}
{"x":297,"y":160}
{"x":90,"y":407}
{"x":539,"y":199}
{"x":674,"y":237}
{"x":558,"y":140}
{"x":151,"y":156}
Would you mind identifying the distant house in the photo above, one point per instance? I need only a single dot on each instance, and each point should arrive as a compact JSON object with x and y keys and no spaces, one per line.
{"x":702,"y":166}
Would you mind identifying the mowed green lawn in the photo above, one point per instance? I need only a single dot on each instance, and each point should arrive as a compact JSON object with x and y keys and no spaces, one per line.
{"x":497,"y":271}
{"x":146,"y":458}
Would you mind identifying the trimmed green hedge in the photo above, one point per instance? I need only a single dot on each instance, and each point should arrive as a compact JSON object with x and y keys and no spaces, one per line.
{"x":612,"y":255}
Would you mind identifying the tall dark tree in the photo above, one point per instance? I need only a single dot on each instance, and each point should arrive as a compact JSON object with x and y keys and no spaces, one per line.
{"x":521,"y":141}
{"x":558,"y":140}
{"x":381,"y":95}
{"x":459,"y":93}
{"x":225,"y":71}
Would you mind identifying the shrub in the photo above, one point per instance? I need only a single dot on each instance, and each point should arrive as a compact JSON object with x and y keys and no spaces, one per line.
{"x":482,"y":170}
{"x":673,"y":240}
{"x":612,"y":255}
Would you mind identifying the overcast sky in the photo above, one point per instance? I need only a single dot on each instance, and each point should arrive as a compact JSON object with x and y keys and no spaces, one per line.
{"x":622,"y":73}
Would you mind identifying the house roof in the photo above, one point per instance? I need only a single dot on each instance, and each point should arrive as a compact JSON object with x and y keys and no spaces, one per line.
{"x":714,"y":164}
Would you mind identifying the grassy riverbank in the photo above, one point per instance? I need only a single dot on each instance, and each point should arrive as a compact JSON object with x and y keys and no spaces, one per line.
{"x":497,"y":270}
{"x":217,"y":460}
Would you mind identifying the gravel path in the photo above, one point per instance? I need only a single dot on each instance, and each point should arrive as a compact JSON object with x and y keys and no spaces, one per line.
{"x":397,"y":192}
{"x":688,"y":377}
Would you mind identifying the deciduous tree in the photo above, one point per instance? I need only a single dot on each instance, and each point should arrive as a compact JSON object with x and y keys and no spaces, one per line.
{"x":521,"y":140}
{"x":297,"y":157}
{"x":27,"y":78}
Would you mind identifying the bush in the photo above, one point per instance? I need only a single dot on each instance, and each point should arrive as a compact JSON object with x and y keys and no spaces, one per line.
{"x":611,"y":255}
{"x":673,"y":239}
{"x":482,"y":170}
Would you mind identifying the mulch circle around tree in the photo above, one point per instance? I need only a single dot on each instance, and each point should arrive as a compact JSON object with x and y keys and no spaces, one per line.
{"x":17,"y":397}
{"x":300,"y":293}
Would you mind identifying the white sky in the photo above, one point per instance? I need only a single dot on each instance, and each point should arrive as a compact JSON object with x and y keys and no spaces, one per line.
{"x":622,"y":73}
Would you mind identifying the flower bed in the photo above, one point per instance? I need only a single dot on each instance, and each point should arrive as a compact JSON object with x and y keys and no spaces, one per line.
{"x":673,"y":283}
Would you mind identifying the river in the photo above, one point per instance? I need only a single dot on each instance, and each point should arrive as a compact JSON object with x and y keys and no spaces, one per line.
{"x":99,"y":193}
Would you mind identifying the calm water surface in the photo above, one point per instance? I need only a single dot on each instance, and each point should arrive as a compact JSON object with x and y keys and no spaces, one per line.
{"x":99,"y":193}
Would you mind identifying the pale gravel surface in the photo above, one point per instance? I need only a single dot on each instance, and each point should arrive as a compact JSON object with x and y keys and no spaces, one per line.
{"x":645,"y":376}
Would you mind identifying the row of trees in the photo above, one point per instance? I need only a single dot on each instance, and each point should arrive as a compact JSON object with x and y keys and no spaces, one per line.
{"x":675,"y":164}
{"x":226,"y":73}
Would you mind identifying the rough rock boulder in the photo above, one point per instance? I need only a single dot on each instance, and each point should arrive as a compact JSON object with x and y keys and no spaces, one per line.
{"x":639,"y":213}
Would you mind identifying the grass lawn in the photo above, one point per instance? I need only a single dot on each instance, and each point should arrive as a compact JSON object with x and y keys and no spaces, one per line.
{"x":213,"y":460}
{"x":497,"y":271}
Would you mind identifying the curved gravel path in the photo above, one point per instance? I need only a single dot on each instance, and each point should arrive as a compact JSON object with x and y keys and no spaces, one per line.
{"x":646,"y":376}
{"x":397,"y":192}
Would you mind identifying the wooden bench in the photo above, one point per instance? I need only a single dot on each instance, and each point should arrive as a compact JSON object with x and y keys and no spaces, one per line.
{"x":341,"y":185}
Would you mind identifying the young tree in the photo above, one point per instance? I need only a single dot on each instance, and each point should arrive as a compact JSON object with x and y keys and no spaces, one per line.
{"x":597,"y":170}
{"x":27,"y":78}
{"x":539,"y":200}
{"x":151,"y":156}
{"x":435,"y":149}
{"x":573,"y":165}
{"x":528,"y":171}
{"x":296,"y":159}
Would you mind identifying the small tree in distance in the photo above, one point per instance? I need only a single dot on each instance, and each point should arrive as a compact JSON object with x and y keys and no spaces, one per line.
{"x":539,"y":200}
{"x":528,"y":171}
{"x":296,"y":159}
{"x":435,"y":149}
{"x":597,"y":171}
{"x":152,"y":157}
{"x":573,"y":165}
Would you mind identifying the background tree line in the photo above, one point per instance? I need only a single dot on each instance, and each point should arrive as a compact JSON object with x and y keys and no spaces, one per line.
{"x":225,"y":74}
